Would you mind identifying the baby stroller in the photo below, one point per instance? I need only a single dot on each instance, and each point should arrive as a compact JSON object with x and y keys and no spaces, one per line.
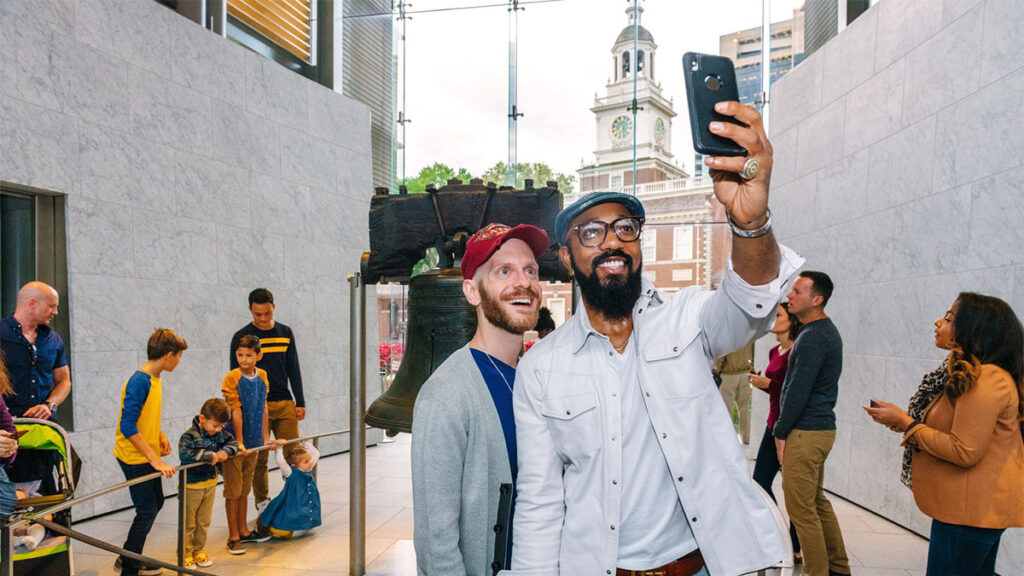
{"x":43,"y":469}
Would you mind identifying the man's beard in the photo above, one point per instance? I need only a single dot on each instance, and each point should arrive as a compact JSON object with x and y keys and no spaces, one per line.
{"x":497,"y":315}
{"x":615,"y":299}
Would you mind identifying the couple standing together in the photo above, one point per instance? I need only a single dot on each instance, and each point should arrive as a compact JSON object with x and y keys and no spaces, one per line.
{"x":611,"y":428}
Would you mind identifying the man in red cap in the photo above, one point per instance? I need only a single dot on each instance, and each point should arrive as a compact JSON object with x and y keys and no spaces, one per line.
{"x":463,"y":431}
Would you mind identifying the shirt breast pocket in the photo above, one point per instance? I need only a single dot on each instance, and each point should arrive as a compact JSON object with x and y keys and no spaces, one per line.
{"x":679,"y":362}
{"x":574,"y":422}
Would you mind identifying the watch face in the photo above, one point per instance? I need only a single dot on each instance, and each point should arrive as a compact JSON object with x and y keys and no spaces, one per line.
{"x":659,"y":130}
{"x":622,"y":127}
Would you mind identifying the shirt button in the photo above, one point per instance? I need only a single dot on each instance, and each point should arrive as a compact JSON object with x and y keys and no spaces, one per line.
{"x":675,"y":348}
{"x":613,"y":438}
{"x":694,"y":519}
{"x":568,"y":413}
{"x":663,"y":435}
{"x":609,"y":353}
{"x":648,"y":394}
{"x":615,"y":482}
{"x":758,"y":306}
{"x":680,"y":479}
{"x":613,"y":526}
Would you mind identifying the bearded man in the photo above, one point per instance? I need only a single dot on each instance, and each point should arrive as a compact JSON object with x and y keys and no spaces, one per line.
{"x":463,"y":431}
{"x":628,"y":462}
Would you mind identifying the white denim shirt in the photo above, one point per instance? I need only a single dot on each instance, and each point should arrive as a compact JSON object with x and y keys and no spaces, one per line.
{"x":569,"y":430}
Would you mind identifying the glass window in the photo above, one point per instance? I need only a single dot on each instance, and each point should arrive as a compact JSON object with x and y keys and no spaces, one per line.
{"x":682,"y":243}
{"x":649,"y":243}
{"x":33,"y":246}
{"x":639,"y":61}
{"x":625,"y":64}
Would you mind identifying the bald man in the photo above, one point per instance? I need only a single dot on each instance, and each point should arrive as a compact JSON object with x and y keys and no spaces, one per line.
{"x":34,"y":354}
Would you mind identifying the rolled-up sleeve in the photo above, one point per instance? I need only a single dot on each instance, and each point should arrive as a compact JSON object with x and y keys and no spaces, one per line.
{"x":740,"y":312}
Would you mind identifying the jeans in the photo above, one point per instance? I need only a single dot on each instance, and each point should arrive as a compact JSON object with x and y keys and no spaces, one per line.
{"x":766,"y":466}
{"x":955,"y":550}
{"x":147,"y":498}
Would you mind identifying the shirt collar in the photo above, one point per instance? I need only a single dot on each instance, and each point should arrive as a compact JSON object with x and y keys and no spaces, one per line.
{"x":649,"y":296}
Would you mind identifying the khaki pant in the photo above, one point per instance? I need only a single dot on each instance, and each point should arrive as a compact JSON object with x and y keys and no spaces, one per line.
{"x":284,"y":424}
{"x":736,"y":388}
{"x":803,"y":473}
{"x":198,"y":512}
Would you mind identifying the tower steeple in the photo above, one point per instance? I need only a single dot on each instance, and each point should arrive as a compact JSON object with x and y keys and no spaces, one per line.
{"x":626,"y":62}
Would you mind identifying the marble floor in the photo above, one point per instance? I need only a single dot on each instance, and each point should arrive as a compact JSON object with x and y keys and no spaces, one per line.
{"x":876,"y":547}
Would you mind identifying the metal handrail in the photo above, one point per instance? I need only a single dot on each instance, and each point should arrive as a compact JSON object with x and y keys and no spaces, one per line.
{"x":38,"y":516}
{"x":31,"y":515}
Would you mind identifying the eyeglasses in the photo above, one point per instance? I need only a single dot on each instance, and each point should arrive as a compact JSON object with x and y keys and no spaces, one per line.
{"x":33,"y":355}
{"x":593,"y":233}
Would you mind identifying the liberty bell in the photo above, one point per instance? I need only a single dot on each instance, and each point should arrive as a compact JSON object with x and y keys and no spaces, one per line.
{"x":402,"y":227}
{"x":440,"y":322}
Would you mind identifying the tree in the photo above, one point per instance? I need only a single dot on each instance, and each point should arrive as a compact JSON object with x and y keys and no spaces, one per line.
{"x":437,"y":174}
{"x":539,"y":172}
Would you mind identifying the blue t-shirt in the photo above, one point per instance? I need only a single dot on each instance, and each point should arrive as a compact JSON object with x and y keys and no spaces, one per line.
{"x":252,"y":394}
{"x":500,"y":379}
{"x":500,"y":384}
{"x":30,"y":365}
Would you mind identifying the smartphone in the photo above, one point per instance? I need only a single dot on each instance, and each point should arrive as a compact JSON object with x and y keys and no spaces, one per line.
{"x":710,"y":79}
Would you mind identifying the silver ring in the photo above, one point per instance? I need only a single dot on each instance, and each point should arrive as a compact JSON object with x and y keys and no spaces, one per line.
{"x":750,"y":168}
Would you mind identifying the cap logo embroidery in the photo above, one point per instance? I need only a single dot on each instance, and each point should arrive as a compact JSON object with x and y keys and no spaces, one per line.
{"x":492,"y":231}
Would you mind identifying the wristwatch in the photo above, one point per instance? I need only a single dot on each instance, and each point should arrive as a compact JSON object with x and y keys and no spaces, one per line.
{"x":52,"y":406}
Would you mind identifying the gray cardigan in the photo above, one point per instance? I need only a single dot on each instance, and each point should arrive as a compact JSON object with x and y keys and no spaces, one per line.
{"x":459,"y":461}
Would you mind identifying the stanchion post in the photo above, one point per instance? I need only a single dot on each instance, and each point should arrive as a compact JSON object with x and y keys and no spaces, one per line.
{"x":357,"y":419}
{"x":7,"y":550}
{"x":182,"y":521}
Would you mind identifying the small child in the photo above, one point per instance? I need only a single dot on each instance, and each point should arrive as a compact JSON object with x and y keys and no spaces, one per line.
{"x":245,"y":389}
{"x":206,"y":441}
{"x":139,"y":443}
{"x":297,"y":507}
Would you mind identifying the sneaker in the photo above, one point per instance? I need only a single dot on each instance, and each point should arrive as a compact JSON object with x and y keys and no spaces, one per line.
{"x":261,"y":505}
{"x":236,"y":547}
{"x":190,"y":563}
{"x":202,"y":560}
{"x":255,"y":536}
{"x":144,"y":569}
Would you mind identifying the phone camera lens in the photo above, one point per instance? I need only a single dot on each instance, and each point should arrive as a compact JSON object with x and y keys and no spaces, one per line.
{"x":693,"y":64}
{"x":713,"y":82}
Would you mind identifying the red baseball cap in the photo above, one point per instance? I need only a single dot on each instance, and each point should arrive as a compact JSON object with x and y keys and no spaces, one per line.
{"x":486,"y":242}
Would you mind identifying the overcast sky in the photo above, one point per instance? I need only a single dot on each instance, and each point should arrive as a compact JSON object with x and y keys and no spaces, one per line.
{"x":457,"y":74}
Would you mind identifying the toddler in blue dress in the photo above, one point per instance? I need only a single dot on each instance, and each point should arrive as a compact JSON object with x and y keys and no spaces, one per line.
{"x":297,"y":506}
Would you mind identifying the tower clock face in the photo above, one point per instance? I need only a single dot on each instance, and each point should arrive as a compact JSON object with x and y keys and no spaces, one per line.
{"x":659,"y":130}
{"x":622,"y":127}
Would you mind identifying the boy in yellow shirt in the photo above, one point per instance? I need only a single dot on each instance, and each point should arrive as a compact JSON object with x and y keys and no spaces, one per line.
{"x":140,"y":444}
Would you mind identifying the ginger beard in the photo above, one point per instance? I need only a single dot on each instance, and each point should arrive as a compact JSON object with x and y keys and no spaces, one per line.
{"x":498,"y":316}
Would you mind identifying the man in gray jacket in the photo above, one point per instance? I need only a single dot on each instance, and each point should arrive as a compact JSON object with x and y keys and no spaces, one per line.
{"x":463,"y":431}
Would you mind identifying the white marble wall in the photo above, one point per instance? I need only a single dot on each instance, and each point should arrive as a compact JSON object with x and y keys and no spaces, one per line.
{"x":898,"y":158}
{"x":194,"y":171}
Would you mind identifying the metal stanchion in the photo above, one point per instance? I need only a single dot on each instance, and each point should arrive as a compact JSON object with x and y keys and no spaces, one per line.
{"x":357,"y":425}
{"x":7,"y":550}
{"x":182,"y":521}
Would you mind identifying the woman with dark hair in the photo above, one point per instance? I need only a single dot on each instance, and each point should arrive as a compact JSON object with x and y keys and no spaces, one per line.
{"x":545,"y":323}
{"x":767,"y":464}
{"x":964,"y":436}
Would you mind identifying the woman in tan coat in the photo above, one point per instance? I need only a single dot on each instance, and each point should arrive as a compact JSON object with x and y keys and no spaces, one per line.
{"x":964,"y":436}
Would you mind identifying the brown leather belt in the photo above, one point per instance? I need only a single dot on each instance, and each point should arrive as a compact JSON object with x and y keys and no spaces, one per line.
{"x":686,"y":566}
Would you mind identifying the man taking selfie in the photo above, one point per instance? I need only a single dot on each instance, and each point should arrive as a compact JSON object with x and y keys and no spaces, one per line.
{"x":628,"y":461}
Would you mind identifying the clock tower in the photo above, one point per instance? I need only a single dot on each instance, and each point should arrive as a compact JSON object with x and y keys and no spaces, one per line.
{"x":612,"y":168}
